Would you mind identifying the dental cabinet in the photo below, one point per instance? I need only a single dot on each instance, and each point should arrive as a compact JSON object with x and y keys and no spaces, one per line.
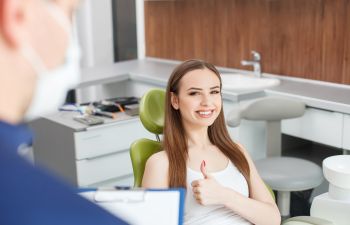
{"x":326,"y":119}
{"x":87,"y":156}
{"x":322,"y":126}
{"x":92,"y":155}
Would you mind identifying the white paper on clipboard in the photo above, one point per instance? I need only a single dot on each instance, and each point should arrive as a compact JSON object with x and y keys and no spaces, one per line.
{"x":141,"y":207}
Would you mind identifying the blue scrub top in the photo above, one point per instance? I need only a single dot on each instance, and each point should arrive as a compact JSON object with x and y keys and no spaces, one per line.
{"x":31,"y":196}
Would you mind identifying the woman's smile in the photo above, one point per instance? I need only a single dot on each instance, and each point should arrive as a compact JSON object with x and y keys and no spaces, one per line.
{"x":205,"y":113}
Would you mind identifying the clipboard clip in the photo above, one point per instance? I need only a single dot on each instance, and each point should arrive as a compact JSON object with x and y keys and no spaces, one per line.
{"x":115,"y":194}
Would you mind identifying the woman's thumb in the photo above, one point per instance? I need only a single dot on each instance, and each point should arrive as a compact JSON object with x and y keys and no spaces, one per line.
{"x":204,"y":170}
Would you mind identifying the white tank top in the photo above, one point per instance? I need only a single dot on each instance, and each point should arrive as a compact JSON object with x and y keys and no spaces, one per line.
{"x":196,"y":214}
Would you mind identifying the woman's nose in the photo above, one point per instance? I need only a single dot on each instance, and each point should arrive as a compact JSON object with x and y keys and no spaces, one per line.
{"x":205,"y":99}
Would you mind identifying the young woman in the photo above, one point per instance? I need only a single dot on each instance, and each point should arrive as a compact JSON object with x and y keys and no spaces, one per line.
{"x":223,"y":186}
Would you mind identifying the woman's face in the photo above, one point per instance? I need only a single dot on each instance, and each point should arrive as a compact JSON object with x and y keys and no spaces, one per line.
{"x":199,"y":98}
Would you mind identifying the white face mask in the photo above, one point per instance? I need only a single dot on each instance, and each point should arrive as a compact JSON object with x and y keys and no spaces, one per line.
{"x":52,"y":85}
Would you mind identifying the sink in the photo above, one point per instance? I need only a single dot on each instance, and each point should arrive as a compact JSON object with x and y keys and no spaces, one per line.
{"x":240,"y":82}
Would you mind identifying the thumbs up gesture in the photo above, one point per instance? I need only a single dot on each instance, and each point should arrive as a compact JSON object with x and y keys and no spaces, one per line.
{"x":203,"y":168}
{"x":207,"y":191}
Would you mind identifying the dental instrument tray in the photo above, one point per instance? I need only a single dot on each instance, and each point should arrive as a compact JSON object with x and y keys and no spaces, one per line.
{"x":88,"y":120}
{"x":114,"y":104}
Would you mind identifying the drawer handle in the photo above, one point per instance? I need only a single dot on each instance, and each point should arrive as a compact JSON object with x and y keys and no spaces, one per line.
{"x":92,"y":137}
{"x":319,"y":109}
{"x":114,"y":153}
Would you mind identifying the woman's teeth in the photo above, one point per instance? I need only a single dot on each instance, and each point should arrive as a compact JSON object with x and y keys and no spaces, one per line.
{"x":204,"y":112}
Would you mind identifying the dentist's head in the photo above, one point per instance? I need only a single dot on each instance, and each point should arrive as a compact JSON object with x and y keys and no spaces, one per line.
{"x":39,"y":57}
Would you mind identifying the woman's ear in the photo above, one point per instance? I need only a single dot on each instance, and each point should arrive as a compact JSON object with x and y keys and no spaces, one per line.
{"x":13,"y":16}
{"x":174,"y":100}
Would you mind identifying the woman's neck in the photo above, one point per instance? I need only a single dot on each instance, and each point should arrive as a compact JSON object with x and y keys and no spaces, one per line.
{"x":198,"y":138}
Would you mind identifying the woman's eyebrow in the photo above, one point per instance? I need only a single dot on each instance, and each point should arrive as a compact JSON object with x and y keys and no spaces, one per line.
{"x":194,"y":88}
{"x":200,"y":89}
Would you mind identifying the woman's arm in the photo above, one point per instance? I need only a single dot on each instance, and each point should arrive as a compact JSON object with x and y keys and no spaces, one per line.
{"x":156,"y":171}
{"x":259,"y":209}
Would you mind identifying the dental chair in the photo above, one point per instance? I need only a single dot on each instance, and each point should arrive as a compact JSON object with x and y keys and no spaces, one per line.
{"x":152,"y":118}
{"x":282,"y":174}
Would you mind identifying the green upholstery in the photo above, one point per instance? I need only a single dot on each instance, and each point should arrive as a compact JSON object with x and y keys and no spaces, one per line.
{"x":140,"y":151}
{"x":306,"y":220}
{"x":271,"y":191}
{"x":152,"y":118}
{"x":152,"y":110}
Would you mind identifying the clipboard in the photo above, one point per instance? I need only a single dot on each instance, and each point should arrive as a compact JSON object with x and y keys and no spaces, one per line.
{"x":140,"y":206}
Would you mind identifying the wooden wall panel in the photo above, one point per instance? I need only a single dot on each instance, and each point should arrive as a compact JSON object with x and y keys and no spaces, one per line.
{"x":295,"y":40}
{"x":248,"y":23}
{"x":346,"y":58}
{"x":333,"y":40}
{"x":299,"y":38}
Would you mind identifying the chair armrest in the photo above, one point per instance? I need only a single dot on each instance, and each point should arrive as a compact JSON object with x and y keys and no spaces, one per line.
{"x":306,"y":220}
{"x":234,"y":117}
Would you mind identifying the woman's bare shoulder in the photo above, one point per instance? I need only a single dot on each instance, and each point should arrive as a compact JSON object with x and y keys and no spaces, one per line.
{"x":159,"y":159}
{"x":156,"y":171}
{"x":243,"y":150}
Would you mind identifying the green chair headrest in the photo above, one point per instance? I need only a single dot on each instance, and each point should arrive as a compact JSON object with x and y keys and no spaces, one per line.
{"x":152,"y":110}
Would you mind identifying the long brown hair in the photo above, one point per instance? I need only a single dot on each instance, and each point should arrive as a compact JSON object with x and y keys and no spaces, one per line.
{"x":175,"y":140}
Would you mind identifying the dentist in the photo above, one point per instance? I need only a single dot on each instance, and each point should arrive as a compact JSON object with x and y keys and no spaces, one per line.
{"x":39,"y":63}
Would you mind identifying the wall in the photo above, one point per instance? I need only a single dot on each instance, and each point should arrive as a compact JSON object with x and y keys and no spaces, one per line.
{"x":298,"y":38}
{"x":124,"y":30}
{"x":95,"y":31}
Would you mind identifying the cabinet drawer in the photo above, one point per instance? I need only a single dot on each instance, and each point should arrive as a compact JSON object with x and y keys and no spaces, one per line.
{"x":103,"y":168}
{"x":346,"y":132}
{"x":125,"y":181}
{"x":108,"y":139}
{"x":317,"y":125}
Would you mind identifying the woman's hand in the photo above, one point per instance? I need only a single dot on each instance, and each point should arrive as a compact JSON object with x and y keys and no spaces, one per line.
{"x":207,"y":191}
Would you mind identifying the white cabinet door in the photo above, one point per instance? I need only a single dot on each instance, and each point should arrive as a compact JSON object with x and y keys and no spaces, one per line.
{"x":109,"y":139}
{"x":90,"y":171}
{"x":346,"y":132}
{"x":317,"y":125}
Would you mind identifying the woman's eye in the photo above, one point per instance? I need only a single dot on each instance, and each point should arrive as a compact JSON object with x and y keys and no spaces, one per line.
{"x":215,"y":92}
{"x":193,"y":93}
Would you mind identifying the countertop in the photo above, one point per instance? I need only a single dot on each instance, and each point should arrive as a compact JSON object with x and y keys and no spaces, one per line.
{"x":150,"y":70}
{"x":323,"y":95}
